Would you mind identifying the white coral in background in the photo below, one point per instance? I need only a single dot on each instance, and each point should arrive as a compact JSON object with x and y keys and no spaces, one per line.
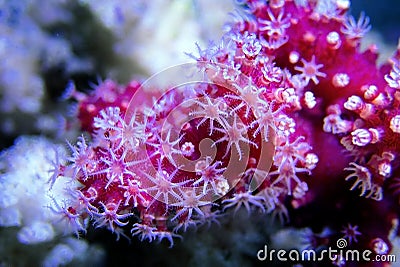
{"x":76,"y":251}
{"x":27,"y":203}
{"x":27,"y":194}
{"x":155,"y":34}
{"x":25,"y":49}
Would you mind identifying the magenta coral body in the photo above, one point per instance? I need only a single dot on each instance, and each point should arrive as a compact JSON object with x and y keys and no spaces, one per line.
{"x":137,"y":166}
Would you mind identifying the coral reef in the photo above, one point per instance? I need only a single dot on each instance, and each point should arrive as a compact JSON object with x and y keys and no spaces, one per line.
{"x":288,"y":116}
{"x":287,"y":76}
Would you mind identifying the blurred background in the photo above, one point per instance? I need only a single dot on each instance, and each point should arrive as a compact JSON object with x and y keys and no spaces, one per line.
{"x":384,"y":15}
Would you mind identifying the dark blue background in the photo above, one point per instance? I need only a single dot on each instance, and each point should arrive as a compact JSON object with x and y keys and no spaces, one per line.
{"x":384,"y":16}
